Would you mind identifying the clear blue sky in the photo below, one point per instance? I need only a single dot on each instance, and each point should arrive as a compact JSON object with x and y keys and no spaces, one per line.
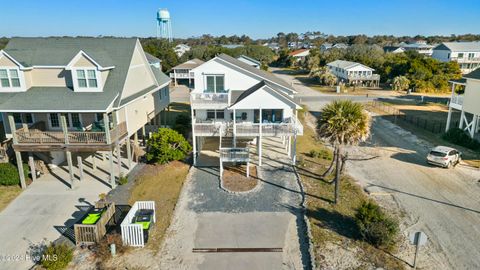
{"x":258,"y":19}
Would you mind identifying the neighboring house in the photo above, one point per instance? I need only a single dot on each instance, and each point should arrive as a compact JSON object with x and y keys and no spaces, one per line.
{"x":419,"y":46}
{"x":183,"y":71}
{"x":250,"y":61}
{"x":181,"y":49}
{"x":468,"y":103}
{"x":326,"y":46}
{"x":300,"y":54}
{"x":393,"y":49}
{"x":272,"y":45}
{"x":233,"y":102}
{"x":77,"y":96}
{"x":354,"y":73}
{"x":340,"y":46}
{"x":153,"y":61}
{"x":232,"y":46}
{"x":466,"y":54}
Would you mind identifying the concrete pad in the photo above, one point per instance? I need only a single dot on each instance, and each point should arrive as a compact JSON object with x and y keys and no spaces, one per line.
{"x":242,"y":261}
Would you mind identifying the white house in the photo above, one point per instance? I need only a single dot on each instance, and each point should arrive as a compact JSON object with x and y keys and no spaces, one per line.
{"x":250,"y":61}
{"x":181,"y":49}
{"x":419,"y":46}
{"x":183,"y":71}
{"x":354,"y":73}
{"x":300,"y":54}
{"x":393,"y":49}
{"x":233,"y":103}
{"x":468,"y":103}
{"x":467,"y":54}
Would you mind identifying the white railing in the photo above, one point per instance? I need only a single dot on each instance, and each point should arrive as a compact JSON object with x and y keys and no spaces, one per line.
{"x":132,"y":234}
{"x":457,"y":99}
{"x":234,"y":154}
{"x":209,"y":128}
{"x":182,"y":75}
{"x":465,"y":59}
{"x":207,"y":100}
{"x":364,"y":77}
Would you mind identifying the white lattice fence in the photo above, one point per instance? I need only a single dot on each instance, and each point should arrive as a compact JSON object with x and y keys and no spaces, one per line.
{"x":132,"y":234}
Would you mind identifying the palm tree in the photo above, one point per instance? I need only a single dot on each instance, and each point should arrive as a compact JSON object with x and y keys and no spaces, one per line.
{"x":323,"y":75}
{"x":343,"y":123}
{"x":400,"y":83}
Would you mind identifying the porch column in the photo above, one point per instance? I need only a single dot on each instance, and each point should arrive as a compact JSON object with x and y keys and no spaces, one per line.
{"x":70,"y":168}
{"x":80,"y":167}
{"x":194,"y":139}
{"x":248,"y":169}
{"x":106,"y":122}
{"x":462,"y":119}
{"x":13,"y":128}
{"x":143,"y":135}
{"x":18,"y":155}
{"x":63,"y":122}
{"x":175,"y":77}
{"x":112,"y":174}
{"x":94,"y":163}
{"x":129,"y":153}
{"x":31,"y":162}
{"x":119,"y":160}
{"x":234,"y":129}
{"x":294,"y":149}
{"x":474,"y":125}
{"x":260,"y":139}
{"x":449,"y":118}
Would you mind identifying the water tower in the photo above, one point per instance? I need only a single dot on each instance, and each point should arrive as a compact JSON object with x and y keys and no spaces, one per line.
{"x":164,"y":24}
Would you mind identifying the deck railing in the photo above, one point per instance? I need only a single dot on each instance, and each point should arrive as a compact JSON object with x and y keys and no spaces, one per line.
{"x":35,"y":136}
{"x":234,"y":154}
{"x":209,"y":128}
{"x":364,"y":77}
{"x":206,"y":100}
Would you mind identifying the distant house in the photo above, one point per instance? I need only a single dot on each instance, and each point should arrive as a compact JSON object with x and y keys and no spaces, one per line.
{"x":232,"y":46}
{"x":340,"y":46}
{"x":467,"y":54}
{"x":328,"y":46}
{"x":272,"y":45}
{"x":393,"y":49}
{"x":181,"y":49}
{"x":183,"y":71}
{"x":354,"y":73}
{"x":325,"y":46}
{"x":419,"y":46}
{"x":300,"y":54}
{"x":467,"y":104}
{"x":250,"y":61}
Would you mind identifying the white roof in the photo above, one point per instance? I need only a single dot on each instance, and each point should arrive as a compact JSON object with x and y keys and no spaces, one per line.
{"x":343,"y":64}
{"x":473,"y":46}
{"x":442,"y":149}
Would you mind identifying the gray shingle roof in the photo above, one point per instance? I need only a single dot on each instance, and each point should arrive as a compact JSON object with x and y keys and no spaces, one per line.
{"x":250,"y":59}
{"x":59,"y":51}
{"x":239,"y":96}
{"x":343,"y":64}
{"x":473,"y":46}
{"x":261,"y":73}
{"x":190,"y":64}
{"x":473,"y":75}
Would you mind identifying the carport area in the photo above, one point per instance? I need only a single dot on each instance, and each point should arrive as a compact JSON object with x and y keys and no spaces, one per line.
{"x":48,"y":207}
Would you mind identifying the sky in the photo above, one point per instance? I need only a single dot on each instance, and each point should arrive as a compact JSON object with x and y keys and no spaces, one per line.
{"x":258,"y":19}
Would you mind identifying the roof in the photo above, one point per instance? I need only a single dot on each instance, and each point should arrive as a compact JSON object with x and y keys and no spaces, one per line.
{"x":152,"y":59}
{"x":473,"y":75}
{"x":258,"y":72}
{"x":473,"y":46}
{"x":299,"y":51}
{"x":461,"y":81}
{"x":260,"y":85}
{"x":343,"y":64}
{"x":190,"y":64}
{"x":59,"y":51}
{"x":442,"y":149}
{"x":392,"y":48}
{"x":250,"y":59}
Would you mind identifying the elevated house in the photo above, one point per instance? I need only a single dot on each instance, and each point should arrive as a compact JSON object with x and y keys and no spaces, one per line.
{"x":468,"y":103}
{"x":250,"y":61}
{"x":64,"y":97}
{"x":234,"y":102}
{"x":184,"y":71}
{"x":419,"y":46}
{"x":466,"y":54}
{"x":300,"y":54}
{"x":354,"y":73}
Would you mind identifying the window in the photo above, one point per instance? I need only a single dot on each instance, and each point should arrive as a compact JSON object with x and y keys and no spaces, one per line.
{"x":9,"y":78}
{"x":220,"y":114}
{"x":23,"y":118}
{"x":471,"y":55}
{"x":215,"y":84}
{"x":75,"y":120}
{"x":54,"y":121}
{"x":210,"y":114}
{"x":460,"y":55}
{"x":87,"y":78}
{"x":18,"y":118}
{"x":99,"y":117}
{"x":215,"y":114}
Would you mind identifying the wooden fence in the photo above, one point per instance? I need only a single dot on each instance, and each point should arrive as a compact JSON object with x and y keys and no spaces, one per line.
{"x":132,"y":234}
{"x":87,"y":234}
{"x":394,"y":115}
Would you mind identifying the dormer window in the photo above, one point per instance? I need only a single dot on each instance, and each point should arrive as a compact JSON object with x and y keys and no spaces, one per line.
{"x":86,"y":79}
{"x":9,"y":78}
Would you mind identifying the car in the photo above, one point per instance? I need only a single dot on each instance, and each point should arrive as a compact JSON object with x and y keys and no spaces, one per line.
{"x":444,"y":156}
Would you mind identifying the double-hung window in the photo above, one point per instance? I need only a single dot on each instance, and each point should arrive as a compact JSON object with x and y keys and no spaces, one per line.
{"x":72,"y":120}
{"x":87,"y":78}
{"x":9,"y":78}
{"x":215,"y":84}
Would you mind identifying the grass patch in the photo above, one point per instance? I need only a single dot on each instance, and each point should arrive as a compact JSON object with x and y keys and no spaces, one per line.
{"x":176,"y":109}
{"x":8,"y":194}
{"x":334,"y":223}
{"x":162,"y":184}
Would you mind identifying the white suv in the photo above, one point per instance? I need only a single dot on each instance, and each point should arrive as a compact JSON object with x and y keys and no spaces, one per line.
{"x":443,"y":156}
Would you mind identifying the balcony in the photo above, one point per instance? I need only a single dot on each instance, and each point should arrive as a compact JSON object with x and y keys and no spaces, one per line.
{"x":182,"y":75}
{"x":209,"y":128}
{"x":456,"y":101}
{"x":234,"y":155}
{"x":372,"y":77}
{"x":465,"y":59}
{"x":32,"y":138}
{"x":210,"y":100}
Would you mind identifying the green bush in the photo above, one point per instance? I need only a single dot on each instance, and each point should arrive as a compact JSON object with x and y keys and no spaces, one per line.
{"x":166,"y":145}
{"x":460,"y":137}
{"x":183,"y":124}
{"x":375,"y":226}
{"x":56,"y":256}
{"x":9,"y":174}
{"x":123,"y":179}
{"x":323,"y":153}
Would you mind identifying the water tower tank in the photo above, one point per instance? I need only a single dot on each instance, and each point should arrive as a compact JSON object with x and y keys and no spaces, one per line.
{"x":163,"y":15}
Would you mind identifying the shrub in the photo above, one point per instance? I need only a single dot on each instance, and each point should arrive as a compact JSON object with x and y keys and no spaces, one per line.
{"x":460,"y":137}
{"x":56,"y":256}
{"x":9,"y":174}
{"x":166,"y":145}
{"x":122,"y":180}
{"x":375,"y":226}
{"x":323,"y":153}
{"x":183,"y":124}
{"x":102,"y":248}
